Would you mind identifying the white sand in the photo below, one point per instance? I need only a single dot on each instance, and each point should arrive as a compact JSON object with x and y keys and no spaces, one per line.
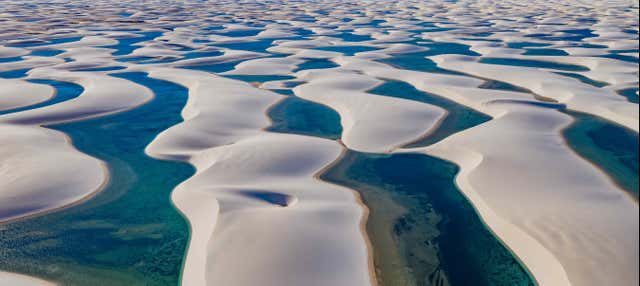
{"x":282,"y":203}
{"x":12,"y":279}
{"x":102,"y":95}
{"x":40,"y":171}
{"x":371,"y":123}
{"x":19,"y":93}
{"x":578,"y":96}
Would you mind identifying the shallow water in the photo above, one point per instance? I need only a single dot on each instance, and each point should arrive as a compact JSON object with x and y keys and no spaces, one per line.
{"x":416,"y":62}
{"x":631,"y":94}
{"x":609,"y":146}
{"x":532,"y":63}
{"x":129,"y":233}
{"x":458,"y":117}
{"x":423,"y":230}
{"x":64,"y":91}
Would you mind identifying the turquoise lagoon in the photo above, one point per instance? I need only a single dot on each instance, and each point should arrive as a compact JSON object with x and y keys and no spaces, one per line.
{"x":423,"y":230}
{"x":129,"y":233}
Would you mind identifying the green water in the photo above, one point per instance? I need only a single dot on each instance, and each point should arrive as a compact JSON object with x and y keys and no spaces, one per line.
{"x":609,"y":146}
{"x":631,"y":94}
{"x":129,"y":233}
{"x":458,"y":118}
{"x":299,"y":116}
{"x":584,"y":79}
{"x":423,"y":231}
{"x":533,"y":63}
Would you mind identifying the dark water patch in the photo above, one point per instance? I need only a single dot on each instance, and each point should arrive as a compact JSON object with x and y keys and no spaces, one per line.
{"x":64,"y":91}
{"x":621,"y":57}
{"x":458,"y":117}
{"x":257,"y":78}
{"x":310,"y":64}
{"x":112,"y":68}
{"x":545,"y":52}
{"x":423,"y":230}
{"x":129,"y":233}
{"x":287,"y":92}
{"x":10,"y":59}
{"x":501,"y":85}
{"x":443,"y":48}
{"x":134,"y":59}
{"x":520,"y":45}
{"x":301,"y":32}
{"x":240,"y":33}
{"x":624,"y":51}
{"x":578,"y":34}
{"x":36,"y":43}
{"x":416,"y":62}
{"x":583,"y":79}
{"x":347,"y":50}
{"x":126,"y":45}
{"x":630,"y":93}
{"x":590,"y":46}
{"x":350,"y":37}
{"x":46,"y":53}
{"x":259,"y":46}
{"x":300,"y":116}
{"x":532,"y":63}
{"x":482,"y":39}
{"x":437,"y":29}
{"x":213,"y":68}
{"x":609,"y":146}
{"x":193,"y":55}
{"x":19,"y":73}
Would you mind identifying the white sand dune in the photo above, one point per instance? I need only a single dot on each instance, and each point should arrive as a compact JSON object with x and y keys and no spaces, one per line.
{"x":30,"y":62}
{"x":7,"y":278}
{"x":211,"y":115}
{"x":266,"y":66}
{"x":102,"y":95}
{"x":19,"y":93}
{"x":282,"y":203}
{"x":371,"y":123}
{"x":9,"y":52}
{"x":40,"y":171}
{"x":578,"y":96}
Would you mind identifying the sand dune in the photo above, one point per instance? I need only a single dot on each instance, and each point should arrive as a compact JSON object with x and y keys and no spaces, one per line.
{"x":371,"y":123}
{"x":577,"y":96}
{"x":282,"y":204}
{"x":102,"y":95}
{"x":40,"y":171}
{"x":18,"y":93}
